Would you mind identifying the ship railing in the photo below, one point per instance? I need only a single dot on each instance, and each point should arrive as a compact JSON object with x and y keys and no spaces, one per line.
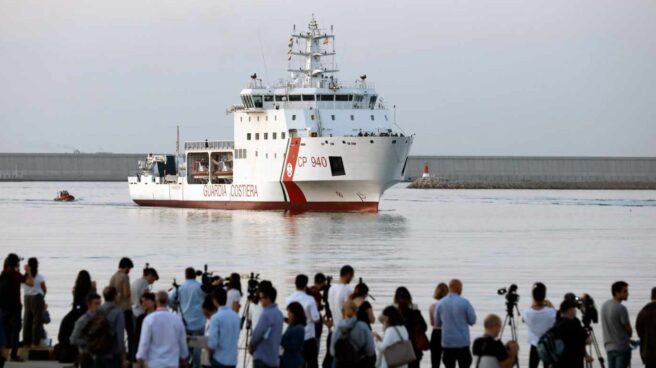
{"x":209,"y":145}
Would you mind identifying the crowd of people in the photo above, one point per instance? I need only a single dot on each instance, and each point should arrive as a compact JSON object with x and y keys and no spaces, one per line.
{"x":201,"y":324}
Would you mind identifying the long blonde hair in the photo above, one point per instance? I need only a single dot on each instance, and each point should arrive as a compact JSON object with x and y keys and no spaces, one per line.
{"x":441,"y":290}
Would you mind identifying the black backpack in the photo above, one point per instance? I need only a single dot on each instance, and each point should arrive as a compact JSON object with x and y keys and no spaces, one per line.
{"x":550,"y":347}
{"x":346,"y":355}
{"x":100,"y":334}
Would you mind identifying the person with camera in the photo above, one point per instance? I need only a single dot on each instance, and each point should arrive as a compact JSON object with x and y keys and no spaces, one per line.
{"x":646,"y":330}
{"x":189,"y":297}
{"x":265,"y":342}
{"x":490,"y":351}
{"x":223,"y":335}
{"x":617,"y":327}
{"x":454,"y":315}
{"x":163,"y":341}
{"x":573,"y":335}
{"x":539,"y":318}
{"x":310,"y":348}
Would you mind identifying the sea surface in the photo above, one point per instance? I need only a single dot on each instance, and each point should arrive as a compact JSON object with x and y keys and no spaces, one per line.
{"x":574,"y":241}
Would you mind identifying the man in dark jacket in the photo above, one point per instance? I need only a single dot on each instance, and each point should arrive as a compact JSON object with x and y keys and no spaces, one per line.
{"x":570,"y":330}
{"x":646,"y":329}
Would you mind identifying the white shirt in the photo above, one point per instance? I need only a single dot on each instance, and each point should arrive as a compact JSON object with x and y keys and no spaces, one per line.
{"x":36,"y":289}
{"x":538,"y":322}
{"x":163,"y":341}
{"x":234,"y":296}
{"x":337,"y":295}
{"x":310,"y":308}
{"x":390,"y":338}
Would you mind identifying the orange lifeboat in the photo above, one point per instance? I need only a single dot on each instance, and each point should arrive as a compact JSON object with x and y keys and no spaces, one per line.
{"x":64,"y":196}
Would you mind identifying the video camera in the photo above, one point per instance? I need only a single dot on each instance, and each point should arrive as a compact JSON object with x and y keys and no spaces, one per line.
{"x":588,"y":309}
{"x":512,"y":297}
{"x":253,"y":285}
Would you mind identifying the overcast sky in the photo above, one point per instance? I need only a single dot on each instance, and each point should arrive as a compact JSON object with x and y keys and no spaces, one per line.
{"x":476,"y":77}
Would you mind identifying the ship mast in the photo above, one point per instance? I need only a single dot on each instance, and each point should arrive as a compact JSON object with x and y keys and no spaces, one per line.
{"x":312,"y":69}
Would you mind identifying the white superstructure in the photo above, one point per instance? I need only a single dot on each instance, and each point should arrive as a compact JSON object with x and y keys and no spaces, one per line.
{"x":310,"y":143}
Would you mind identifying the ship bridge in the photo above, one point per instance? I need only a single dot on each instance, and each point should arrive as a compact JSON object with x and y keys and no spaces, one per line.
{"x":313,"y":102}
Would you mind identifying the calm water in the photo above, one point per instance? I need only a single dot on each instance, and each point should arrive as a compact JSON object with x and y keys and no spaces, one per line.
{"x":579,"y":241}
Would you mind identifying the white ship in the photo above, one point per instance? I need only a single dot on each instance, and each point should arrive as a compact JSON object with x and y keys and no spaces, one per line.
{"x":310,"y":143}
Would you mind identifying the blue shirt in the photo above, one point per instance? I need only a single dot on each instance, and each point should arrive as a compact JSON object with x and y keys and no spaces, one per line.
{"x":265,"y":342}
{"x":191,"y":302}
{"x":223,"y":336}
{"x":454,"y":315}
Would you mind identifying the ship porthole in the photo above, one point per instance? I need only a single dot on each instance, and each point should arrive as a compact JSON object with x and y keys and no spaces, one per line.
{"x":371,"y":141}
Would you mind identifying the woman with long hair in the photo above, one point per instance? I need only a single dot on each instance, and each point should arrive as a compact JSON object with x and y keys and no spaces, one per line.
{"x":414,"y":321}
{"x":83,"y":287}
{"x":441,"y":290}
{"x":394,"y":332}
{"x":34,"y":290}
{"x":365,"y":310}
{"x":234,"y":292}
{"x":294,"y":337}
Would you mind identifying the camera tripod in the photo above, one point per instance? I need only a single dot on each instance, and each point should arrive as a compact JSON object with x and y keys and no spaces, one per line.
{"x":512,"y":323}
{"x":595,"y":346}
{"x":248,"y":321}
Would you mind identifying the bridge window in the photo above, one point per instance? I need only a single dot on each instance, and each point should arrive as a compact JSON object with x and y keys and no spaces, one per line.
{"x":268,"y":98}
{"x":372,"y":102}
{"x":308,"y":97}
{"x":327,"y":97}
{"x":342,"y":97}
{"x":294,"y":98}
{"x":280,"y":98}
{"x":257,"y":101}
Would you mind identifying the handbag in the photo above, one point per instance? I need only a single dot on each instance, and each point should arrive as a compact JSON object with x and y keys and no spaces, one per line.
{"x":399,"y":353}
{"x":421,"y":341}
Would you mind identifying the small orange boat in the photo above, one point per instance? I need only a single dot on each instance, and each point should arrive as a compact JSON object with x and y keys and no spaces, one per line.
{"x":64,"y":196}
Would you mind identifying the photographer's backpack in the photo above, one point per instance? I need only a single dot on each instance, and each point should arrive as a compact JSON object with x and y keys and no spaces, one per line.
{"x":346,"y":355}
{"x":550,"y":347}
{"x":100,"y":334}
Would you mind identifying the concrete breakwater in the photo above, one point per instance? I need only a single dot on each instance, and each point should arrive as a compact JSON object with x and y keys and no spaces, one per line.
{"x":498,"y":172}
{"x":446,"y":171}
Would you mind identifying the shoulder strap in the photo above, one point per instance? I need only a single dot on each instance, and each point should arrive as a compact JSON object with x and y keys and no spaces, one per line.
{"x":398,"y":333}
{"x":478,"y":361}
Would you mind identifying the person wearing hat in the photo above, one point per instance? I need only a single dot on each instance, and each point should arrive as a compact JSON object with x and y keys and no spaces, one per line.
{"x":10,"y":303}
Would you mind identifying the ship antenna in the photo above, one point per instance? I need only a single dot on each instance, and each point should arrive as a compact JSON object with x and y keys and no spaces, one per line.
{"x":266,"y":72}
{"x":177,"y":141}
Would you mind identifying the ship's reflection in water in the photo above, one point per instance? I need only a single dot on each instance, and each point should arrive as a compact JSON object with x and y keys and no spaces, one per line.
{"x":579,"y":241}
